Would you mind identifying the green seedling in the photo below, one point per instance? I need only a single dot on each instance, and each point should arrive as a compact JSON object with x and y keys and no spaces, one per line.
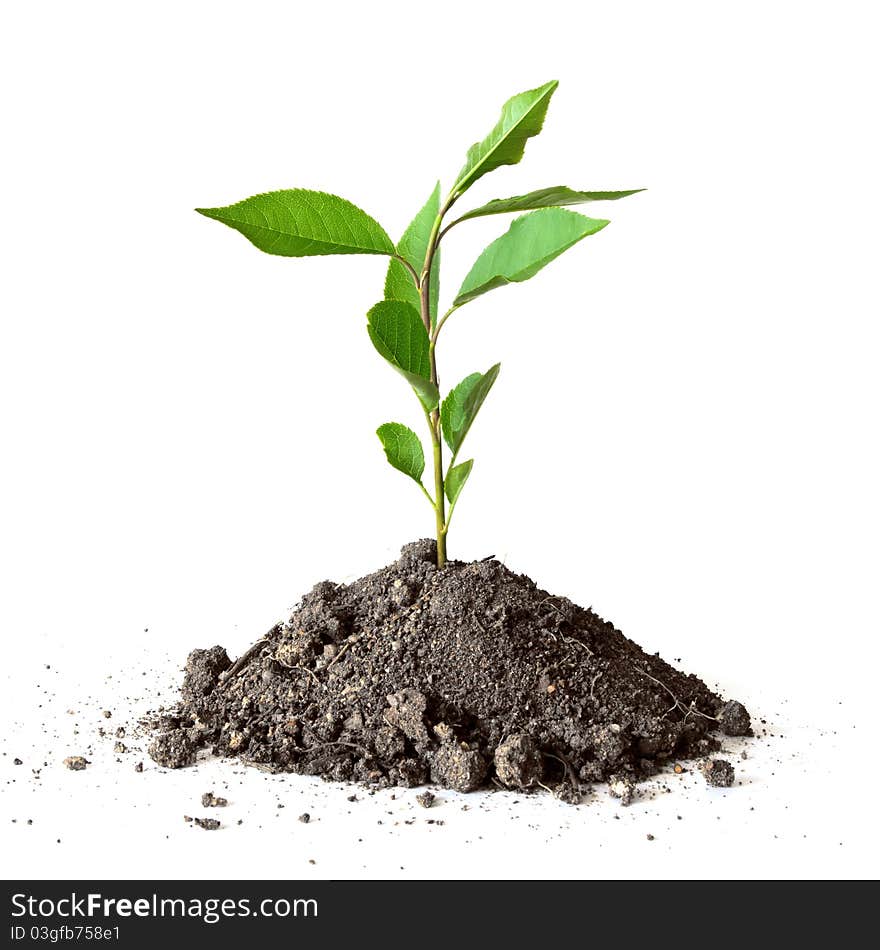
{"x":406,"y":324}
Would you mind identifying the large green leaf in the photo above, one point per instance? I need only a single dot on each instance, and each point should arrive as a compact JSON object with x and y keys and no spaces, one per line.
{"x":403,"y":449}
{"x":455,"y":479}
{"x":554,"y":197}
{"x":461,"y":405}
{"x":531,"y":242}
{"x":399,"y":335}
{"x":413,"y":247}
{"x":301,"y":223}
{"x":521,"y":117}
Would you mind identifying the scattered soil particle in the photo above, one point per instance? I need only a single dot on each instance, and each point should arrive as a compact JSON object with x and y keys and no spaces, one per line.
{"x":120,"y":747}
{"x":17,"y":762}
{"x":76,"y":763}
{"x":209,"y":824}
{"x":718,"y":772}
{"x":426,"y":799}
{"x":649,"y":837}
{"x":734,"y":719}
{"x":416,"y":672}
{"x":106,"y":714}
{"x":210,"y":800}
{"x":120,"y":732}
{"x":622,"y":787}
{"x":139,"y":767}
{"x":305,"y":817}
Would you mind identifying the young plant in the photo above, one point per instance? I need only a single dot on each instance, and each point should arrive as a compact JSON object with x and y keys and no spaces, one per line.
{"x":406,"y":324}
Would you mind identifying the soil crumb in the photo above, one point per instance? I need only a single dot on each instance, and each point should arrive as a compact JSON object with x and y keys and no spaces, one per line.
{"x":76,"y":763}
{"x":469,"y":676}
{"x":210,"y":800}
{"x":735,"y":719}
{"x":622,"y":787}
{"x":173,"y":749}
{"x":718,"y":772}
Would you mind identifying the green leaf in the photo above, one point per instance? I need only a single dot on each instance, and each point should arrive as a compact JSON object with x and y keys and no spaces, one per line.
{"x":399,"y":335}
{"x":521,"y":117}
{"x":301,"y":223}
{"x":531,"y":242}
{"x":403,"y":449}
{"x":413,"y":247}
{"x":461,"y":405}
{"x":554,"y":197}
{"x":455,"y":479}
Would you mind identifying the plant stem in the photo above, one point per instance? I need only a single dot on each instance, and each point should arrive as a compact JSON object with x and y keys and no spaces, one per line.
{"x":433,"y":242}
{"x":424,"y":285}
{"x":441,"y":499}
{"x":437,"y":443}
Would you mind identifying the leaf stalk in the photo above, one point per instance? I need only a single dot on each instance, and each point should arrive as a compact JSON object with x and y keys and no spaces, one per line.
{"x":412,"y":271}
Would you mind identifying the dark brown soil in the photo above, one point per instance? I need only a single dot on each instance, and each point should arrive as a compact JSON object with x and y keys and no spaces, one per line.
{"x":468,"y":676}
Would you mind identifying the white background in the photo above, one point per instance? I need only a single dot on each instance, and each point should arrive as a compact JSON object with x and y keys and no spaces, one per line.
{"x":684,"y":433}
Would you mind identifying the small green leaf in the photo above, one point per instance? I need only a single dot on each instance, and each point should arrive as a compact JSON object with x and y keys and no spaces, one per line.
{"x":403,"y":449}
{"x":413,"y":247}
{"x":301,"y":223}
{"x":531,"y":242}
{"x":555,"y":197}
{"x":461,"y":405}
{"x":521,"y":117}
{"x":455,"y":479}
{"x":399,"y":335}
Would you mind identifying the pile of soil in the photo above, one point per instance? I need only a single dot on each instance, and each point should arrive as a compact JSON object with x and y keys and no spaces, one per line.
{"x":465,"y":676}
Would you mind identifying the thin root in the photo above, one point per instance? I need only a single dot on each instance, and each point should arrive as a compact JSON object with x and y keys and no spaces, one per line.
{"x":578,"y":642}
{"x":549,"y":600}
{"x":341,"y":653}
{"x":677,"y":703}
{"x":302,"y":669}
{"x":569,"y":770}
